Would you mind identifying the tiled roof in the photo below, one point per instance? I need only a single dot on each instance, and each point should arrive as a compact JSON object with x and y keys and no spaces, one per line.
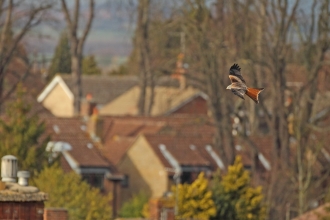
{"x":192,"y":150}
{"x":263,"y":144}
{"x":71,"y":131}
{"x":120,"y":131}
{"x":65,"y":165}
{"x":103,"y":88}
{"x":185,"y":150}
{"x":295,"y":75}
{"x":315,"y":214}
{"x":165,"y":99}
{"x":176,"y":124}
{"x":116,"y":148}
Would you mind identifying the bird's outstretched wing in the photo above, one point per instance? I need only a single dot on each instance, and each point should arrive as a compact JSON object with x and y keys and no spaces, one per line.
{"x":235,"y":74}
{"x":239,"y":92}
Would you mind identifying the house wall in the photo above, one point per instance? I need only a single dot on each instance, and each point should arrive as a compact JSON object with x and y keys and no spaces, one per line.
{"x":145,"y":171}
{"x":195,"y":106}
{"x":125,"y":104}
{"x":59,"y":103}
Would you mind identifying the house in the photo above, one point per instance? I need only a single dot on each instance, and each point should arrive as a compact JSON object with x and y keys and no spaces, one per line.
{"x":166,"y":101}
{"x":120,"y":134}
{"x":70,"y":141}
{"x":58,"y":98}
{"x":176,"y":146}
{"x":171,"y":158}
{"x":101,"y":91}
{"x":174,"y":159}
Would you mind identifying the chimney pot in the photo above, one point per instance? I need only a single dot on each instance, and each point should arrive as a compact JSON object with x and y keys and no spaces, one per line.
{"x":23,"y":177}
{"x":89,"y":97}
{"x":8,"y":168}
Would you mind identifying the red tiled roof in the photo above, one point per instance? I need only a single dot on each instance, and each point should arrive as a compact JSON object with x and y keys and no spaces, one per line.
{"x":186,"y":125}
{"x":188,"y":130}
{"x":115,"y":129}
{"x":116,"y":148}
{"x":194,"y":130}
{"x":186,"y":150}
{"x":296,"y":74}
{"x":315,"y":214}
{"x":65,"y":165}
{"x":83,"y":151}
{"x":126,"y":128}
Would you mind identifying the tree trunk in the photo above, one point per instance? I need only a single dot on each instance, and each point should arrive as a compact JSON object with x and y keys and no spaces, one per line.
{"x":77,"y":44}
{"x":76,"y":61}
{"x":142,"y":43}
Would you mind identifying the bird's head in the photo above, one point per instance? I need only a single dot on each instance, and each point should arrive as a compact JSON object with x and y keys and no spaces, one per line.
{"x":228,"y":87}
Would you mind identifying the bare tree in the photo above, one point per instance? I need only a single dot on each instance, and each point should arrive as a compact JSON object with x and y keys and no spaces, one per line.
{"x":270,"y":51}
{"x":281,"y":56}
{"x":142,"y":47}
{"x":314,"y":45}
{"x":210,"y":54}
{"x":77,"y":45}
{"x":205,"y":67}
{"x":31,"y":14}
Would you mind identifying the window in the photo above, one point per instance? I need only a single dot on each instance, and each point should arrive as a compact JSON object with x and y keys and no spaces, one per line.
{"x":125,"y":181}
{"x":186,"y":177}
{"x":95,"y":180}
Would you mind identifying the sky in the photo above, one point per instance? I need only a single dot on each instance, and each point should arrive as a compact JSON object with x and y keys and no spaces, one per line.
{"x":110,"y":35}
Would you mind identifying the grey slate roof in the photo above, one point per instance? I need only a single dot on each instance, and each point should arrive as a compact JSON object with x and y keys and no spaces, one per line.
{"x":103,"y":88}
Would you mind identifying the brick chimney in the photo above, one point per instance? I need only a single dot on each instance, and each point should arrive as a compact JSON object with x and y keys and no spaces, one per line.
{"x":95,"y":125}
{"x":19,"y":200}
{"x":56,"y":214}
{"x":87,"y":105}
{"x":180,"y":71}
{"x":161,"y":208}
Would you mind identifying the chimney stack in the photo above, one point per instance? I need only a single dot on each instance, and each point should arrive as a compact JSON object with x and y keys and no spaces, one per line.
{"x":8,"y":168}
{"x":87,"y":105}
{"x":95,"y":125}
{"x":180,"y":71}
{"x":56,"y":214}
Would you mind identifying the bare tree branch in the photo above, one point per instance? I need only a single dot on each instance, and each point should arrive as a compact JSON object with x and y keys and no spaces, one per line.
{"x":67,"y":15}
{"x":88,"y":25}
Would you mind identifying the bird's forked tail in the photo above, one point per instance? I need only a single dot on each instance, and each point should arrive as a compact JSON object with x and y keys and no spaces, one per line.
{"x":253,"y":93}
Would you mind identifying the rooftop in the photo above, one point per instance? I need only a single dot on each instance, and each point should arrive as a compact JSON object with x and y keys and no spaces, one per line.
{"x":103,"y":88}
{"x":76,"y":142}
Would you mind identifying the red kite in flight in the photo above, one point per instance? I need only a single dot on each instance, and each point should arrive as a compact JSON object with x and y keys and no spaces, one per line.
{"x":238,"y":86}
